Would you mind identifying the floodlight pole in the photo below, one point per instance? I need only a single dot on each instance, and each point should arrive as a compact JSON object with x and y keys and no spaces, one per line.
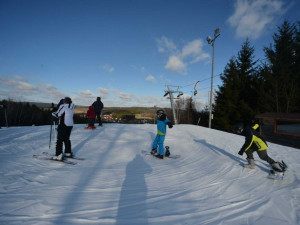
{"x":212,"y":43}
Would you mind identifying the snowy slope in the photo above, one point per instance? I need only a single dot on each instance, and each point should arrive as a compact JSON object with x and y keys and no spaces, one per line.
{"x":115,"y":184}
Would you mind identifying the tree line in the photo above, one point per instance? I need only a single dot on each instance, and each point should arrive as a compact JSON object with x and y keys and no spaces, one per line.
{"x":26,"y":114}
{"x":23,"y":114}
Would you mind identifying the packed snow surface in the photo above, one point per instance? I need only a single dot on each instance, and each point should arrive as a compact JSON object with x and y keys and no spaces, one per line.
{"x":116,"y":184}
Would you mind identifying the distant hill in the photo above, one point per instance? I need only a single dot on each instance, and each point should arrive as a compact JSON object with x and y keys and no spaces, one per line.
{"x":140,"y":112}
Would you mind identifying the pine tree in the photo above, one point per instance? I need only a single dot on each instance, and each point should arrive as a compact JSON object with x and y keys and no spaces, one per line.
{"x":282,"y":79}
{"x":297,"y":68}
{"x":237,"y":99}
{"x":227,"y":97}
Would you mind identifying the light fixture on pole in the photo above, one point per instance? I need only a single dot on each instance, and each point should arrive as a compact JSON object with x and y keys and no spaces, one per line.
{"x":212,"y":43}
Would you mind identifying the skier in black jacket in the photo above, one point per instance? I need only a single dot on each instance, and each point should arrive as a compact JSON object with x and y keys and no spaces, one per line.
{"x":98,"y":106}
{"x":254,"y":142}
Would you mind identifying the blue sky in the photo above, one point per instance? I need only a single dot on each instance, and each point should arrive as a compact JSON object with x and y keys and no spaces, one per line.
{"x":127,"y":51}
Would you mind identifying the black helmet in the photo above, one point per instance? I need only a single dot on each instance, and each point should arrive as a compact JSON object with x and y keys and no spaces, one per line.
{"x":98,"y":99}
{"x":67,"y":100}
{"x":238,"y":128}
{"x":160,"y":112}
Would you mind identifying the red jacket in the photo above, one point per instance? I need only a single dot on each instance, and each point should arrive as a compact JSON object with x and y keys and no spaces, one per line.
{"x":91,"y":113}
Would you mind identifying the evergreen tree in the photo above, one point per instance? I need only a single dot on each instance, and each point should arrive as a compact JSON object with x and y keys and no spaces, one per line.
{"x":265,"y":100}
{"x":237,"y":99}
{"x":282,"y":79}
{"x":227,"y":97}
{"x":297,"y":68}
{"x":247,"y":71}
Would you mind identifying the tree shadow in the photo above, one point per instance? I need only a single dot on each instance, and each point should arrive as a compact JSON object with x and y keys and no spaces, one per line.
{"x":132,"y":204}
{"x":231,"y":156}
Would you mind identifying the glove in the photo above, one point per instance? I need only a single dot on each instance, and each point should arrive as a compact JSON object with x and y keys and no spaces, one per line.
{"x":170,"y":125}
{"x":241,"y":152}
{"x":54,"y":115}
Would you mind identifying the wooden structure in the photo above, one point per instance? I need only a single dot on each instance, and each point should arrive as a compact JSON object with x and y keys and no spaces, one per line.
{"x":281,"y":128}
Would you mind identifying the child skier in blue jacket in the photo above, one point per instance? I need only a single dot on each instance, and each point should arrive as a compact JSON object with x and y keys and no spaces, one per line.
{"x":162,"y":122}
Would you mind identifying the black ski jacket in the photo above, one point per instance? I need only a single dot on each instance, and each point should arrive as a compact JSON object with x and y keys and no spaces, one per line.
{"x":98,"y":106}
{"x":252,"y":140}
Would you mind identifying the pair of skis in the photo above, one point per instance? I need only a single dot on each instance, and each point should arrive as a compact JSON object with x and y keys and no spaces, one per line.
{"x":47,"y":156}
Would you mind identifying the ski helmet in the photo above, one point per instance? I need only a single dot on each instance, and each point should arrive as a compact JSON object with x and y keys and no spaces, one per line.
{"x":238,"y":128}
{"x":160,"y":112}
{"x":67,"y":100}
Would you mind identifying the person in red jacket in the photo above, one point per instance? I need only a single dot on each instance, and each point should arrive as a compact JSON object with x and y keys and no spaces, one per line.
{"x":91,"y":115}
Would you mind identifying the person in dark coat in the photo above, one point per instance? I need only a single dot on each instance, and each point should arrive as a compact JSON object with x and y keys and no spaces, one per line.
{"x":254,"y":142}
{"x":98,"y":106}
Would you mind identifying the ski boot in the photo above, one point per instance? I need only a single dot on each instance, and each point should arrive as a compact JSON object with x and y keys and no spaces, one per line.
{"x":277,"y":167}
{"x":159,"y":156}
{"x":167,"y":154}
{"x":250,"y":164}
{"x":58,"y":157}
{"x":68,"y":155}
{"x":154,"y":151}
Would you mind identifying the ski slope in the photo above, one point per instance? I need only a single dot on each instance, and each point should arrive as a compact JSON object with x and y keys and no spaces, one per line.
{"x":116,"y":184}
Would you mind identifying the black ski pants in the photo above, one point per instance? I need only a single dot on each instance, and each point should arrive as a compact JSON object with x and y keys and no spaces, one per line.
{"x":98,"y":115}
{"x":263,"y":155}
{"x":63,"y":136}
{"x":91,"y":122}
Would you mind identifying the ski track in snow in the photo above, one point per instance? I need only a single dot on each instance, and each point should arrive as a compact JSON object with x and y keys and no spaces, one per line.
{"x":116,"y":184}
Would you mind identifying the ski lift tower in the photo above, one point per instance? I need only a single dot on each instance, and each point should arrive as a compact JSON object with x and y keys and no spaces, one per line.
{"x":171,"y":97}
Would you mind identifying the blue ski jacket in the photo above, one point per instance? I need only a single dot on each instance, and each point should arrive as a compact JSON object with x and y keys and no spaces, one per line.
{"x":162,"y":126}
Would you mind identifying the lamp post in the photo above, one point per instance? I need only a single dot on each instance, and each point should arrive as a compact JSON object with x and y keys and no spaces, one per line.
{"x":212,"y":43}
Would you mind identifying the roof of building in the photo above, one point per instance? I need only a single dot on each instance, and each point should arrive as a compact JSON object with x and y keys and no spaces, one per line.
{"x":279,"y":116}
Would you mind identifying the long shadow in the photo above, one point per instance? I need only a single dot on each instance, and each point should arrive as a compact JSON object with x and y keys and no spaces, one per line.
{"x":92,"y":134}
{"x":229,"y":155}
{"x":84,"y":181}
{"x":132,"y":203}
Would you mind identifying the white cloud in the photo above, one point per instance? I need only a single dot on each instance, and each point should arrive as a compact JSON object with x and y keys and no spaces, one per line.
{"x":103,"y":92}
{"x":51,"y":92}
{"x":165,"y":45}
{"x":17,"y":77}
{"x":178,"y":60}
{"x":108,"y":68}
{"x":175,"y":64}
{"x":15,"y":88}
{"x":192,"y":48}
{"x":251,"y":17}
{"x":150,"y":78}
{"x":86,"y":94}
{"x":125,"y":96}
{"x":18,"y":86}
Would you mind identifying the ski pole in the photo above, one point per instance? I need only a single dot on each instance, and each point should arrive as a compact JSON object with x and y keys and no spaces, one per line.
{"x":54,"y":129}
{"x":50,"y":136}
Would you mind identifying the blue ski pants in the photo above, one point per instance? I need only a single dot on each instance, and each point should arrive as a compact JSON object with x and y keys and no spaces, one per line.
{"x":159,"y":141}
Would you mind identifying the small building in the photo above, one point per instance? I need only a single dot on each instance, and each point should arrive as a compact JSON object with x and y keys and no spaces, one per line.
{"x":281,"y":128}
